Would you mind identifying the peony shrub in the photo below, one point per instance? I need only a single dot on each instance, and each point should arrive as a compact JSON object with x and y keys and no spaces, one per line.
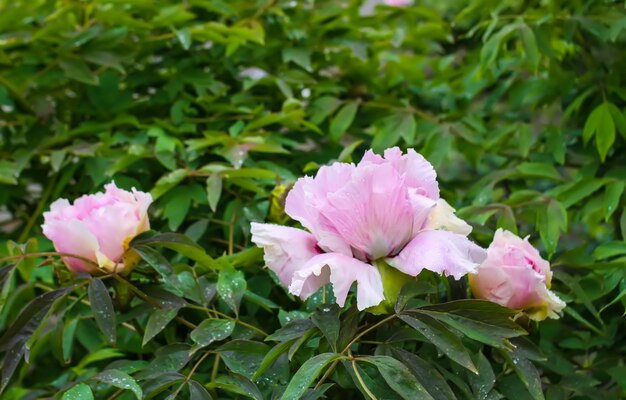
{"x":301,"y":200}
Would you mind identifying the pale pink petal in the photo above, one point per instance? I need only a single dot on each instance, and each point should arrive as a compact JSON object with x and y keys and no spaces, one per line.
{"x":113,"y":226}
{"x":418,"y":172}
{"x":441,"y":252}
{"x":372,"y":212}
{"x":422,"y":209}
{"x":342,"y":271}
{"x":60,"y":209}
{"x":308,"y":198}
{"x":286,"y":249}
{"x":72,"y":237}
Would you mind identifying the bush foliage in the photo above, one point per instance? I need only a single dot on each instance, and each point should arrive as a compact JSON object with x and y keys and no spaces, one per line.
{"x":216,"y":107}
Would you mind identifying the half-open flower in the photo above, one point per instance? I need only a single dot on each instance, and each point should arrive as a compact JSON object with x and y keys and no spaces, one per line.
{"x":97,"y":227}
{"x":514,"y":275}
{"x":384,"y":208}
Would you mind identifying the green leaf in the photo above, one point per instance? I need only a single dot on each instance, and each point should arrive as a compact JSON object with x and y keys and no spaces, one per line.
{"x":238,"y":384}
{"x":529,"y":42}
{"x":197,"y":391}
{"x":306,"y":374}
{"x":483,"y":382}
{"x":299,"y":56}
{"x":120,"y":380}
{"x":612,"y":195}
{"x":81,"y":391}
{"x":591,"y":125}
{"x":526,"y":371}
{"x":551,"y":221}
{"x":8,"y":173}
{"x":168,"y":182}
{"x":99,"y":355}
{"x":480,"y":320}
{"x":67,"y":341}
{"x":214,"y":190}
{"x":211,"y":330}
{"x":322,"y":108}
{"x":622,"y":224}
{"x":446,"y":341}
{"x":102,"y":309}
{"x":179,"y":243}
{"x":605,"y":132}
{"x":231,"y":286}
{"x":271,"y":357}
{"x":342,"y":120}
{"x":28,"y":321}
{"x":79,"y":71}
{"x":160,"y":264}
{"x":326,"y":318}
{"x":292,"y":330}
{"x":399,"y":377}
{"x":243,"y":356}
{"x":426,"y":373}
{"x":157,"y":321}
{"x":618,"y":117}
{"x":610,"y":249}
{"x":539,"y":170}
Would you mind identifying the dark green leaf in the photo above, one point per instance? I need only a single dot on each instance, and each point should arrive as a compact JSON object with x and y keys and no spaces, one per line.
{"x":120,"y":380}
{"x":78,"y":392}
{"x":79,"y":71}
{"x":157,"y":321}
{"x":342,"y":121}
{"x":238,"y":384}
{"x":211,"y":330}
{"x":399,"y":377}
{"x":306,"y":374}
{"x":102,"y":309}
{"x":231,"y":286}
{"x":326,"y":318}
{"x":446,"y":341}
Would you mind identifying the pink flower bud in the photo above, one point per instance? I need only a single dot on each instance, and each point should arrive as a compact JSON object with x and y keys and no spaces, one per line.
{"x":97,"y":227}
{"x":514,"y":275}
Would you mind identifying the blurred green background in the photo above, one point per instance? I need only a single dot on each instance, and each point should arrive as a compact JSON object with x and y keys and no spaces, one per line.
{"x":212,"y":104}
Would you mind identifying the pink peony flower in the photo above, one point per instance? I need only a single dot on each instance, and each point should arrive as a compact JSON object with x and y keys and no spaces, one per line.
{"x":514,"y":275}
{"x":97,"y":227}
{"x":384,"y":208}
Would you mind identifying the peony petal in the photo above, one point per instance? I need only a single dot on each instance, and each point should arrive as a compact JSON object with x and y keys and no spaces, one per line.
{"x":442,"y":217}
{"x":372,"y":212}
{"x":342,"y":272}
{"x":113,"y":225}
{"x":72,"y":237}
{"x":439,"y":251}
{"x":422,"y":208}
{"x":308,"y":198}
{"x":286,"y":249}
{"x":418,"y":172}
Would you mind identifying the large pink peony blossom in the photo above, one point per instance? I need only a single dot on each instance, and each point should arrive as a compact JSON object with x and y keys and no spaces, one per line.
{"x":97,"y":227}
{"x":384,"y":208}
{"x":514,"y":275}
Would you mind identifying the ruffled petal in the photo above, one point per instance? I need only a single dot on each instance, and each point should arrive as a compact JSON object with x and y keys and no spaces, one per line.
{"x":113,"y":225}
{"x":308,"y":198}
{"x":372,"y":212}
{"x":342,"y":271}
{"x":286,"y":249}
{"x":73,"y":237}
{"x":419,"y":173}
{"x":441,"y":252}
